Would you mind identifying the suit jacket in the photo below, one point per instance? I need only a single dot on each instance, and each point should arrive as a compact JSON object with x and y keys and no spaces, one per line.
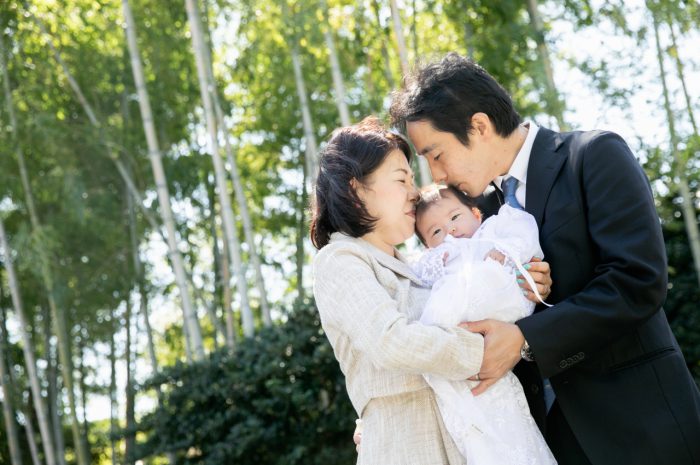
{"x":369,"y":303}
{"x":606,"y":346}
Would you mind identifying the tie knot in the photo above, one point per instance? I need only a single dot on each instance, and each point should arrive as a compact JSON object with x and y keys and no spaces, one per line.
{"x":509,"y":186}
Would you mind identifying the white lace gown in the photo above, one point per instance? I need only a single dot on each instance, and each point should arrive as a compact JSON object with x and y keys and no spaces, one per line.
{"x":494,"y":428}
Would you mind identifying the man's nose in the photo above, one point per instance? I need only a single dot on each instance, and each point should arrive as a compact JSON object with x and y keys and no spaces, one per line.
{"x":439,"y":175}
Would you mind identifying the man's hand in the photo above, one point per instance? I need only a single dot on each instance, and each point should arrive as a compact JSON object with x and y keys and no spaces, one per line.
{"x":502,"y":343}
{"x":540,"y":273}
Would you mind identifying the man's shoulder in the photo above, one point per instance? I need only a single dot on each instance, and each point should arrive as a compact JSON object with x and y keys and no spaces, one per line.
{"x":580,"y":141}
{"x":579,"y":146}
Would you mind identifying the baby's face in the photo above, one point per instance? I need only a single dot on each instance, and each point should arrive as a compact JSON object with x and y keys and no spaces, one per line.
{"x":447,"y":216}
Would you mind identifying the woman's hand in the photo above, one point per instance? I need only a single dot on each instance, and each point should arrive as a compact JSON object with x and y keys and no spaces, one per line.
{"x":357,"y":435}
{"x":541,"y":274}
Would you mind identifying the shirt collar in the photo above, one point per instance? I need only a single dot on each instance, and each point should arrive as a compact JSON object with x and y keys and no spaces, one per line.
{"x":519,"y":167}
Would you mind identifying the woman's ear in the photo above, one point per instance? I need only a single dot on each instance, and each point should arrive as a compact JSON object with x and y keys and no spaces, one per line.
{"x":358,"y":188}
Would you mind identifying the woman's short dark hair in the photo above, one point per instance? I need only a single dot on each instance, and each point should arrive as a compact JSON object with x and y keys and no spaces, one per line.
{"x":448,"y":93}
{"x":429,"y":195}
{"x":352,"y":152}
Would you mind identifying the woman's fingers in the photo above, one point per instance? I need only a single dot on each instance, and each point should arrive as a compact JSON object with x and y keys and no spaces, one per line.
{"x":357,"y":435}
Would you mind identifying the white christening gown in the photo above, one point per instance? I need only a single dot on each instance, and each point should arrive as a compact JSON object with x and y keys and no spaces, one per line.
{"x":494,"y":428}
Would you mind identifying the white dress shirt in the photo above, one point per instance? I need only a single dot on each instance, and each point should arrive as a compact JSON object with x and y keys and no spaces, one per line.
{"x":519,"y":167}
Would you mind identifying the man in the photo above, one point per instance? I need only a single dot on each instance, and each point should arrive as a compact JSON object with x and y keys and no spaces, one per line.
{"x":622,"y":393}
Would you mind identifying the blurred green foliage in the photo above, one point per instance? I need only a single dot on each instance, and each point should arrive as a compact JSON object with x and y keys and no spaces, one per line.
{"x":278,"y":399}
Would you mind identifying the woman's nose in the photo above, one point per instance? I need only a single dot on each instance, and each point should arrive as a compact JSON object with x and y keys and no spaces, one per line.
{"x":414,"y":195}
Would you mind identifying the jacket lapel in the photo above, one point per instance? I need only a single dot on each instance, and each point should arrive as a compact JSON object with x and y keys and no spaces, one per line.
{"x":542,"y":170}
{"x":398,"y":265}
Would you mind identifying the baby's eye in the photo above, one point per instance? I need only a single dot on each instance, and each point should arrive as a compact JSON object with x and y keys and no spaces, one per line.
{"x":456,"y":216}
{"x":436,"y":232}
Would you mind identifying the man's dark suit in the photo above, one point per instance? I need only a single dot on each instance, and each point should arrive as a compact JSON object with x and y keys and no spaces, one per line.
{"x":620,"y":379}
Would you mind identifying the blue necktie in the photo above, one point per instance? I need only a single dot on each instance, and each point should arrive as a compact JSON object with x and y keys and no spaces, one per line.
{"x":509,"y":186}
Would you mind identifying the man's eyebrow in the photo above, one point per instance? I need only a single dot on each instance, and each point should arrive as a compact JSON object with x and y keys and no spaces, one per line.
{"x":427,"y":149}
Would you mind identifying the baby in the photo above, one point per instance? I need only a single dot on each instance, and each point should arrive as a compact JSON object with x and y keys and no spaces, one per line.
{"x":472,"y":268}
{"x":444,"y":214}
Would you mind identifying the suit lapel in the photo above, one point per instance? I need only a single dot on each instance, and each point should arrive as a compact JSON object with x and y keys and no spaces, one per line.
{"x":542,"y":170}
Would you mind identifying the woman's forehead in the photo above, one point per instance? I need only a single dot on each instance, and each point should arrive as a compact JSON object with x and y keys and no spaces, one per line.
{"x":396,"y":161}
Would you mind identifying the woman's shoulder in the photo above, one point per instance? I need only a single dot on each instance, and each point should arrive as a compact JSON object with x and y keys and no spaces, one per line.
{"x":341,"y":249}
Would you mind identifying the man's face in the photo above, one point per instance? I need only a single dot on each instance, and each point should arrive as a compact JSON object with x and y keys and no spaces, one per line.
{"x":470,"y":169}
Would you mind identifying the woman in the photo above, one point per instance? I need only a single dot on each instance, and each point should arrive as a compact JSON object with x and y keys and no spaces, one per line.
{"x":369,"y":300}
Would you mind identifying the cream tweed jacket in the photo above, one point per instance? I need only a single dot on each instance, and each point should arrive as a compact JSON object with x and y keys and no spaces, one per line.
{"x":369,"y":303}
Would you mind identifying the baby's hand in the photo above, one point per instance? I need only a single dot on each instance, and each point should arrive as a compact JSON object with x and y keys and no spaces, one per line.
{"x":445,"y":256}
{"x":496,"y":255}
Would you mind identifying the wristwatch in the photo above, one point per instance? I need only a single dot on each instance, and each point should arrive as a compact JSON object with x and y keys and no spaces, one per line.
{"x":526,"y":353}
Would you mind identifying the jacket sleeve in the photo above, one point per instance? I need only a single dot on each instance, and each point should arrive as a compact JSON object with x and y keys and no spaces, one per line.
{"x":350,"y":299}
{"x":628,"y":283}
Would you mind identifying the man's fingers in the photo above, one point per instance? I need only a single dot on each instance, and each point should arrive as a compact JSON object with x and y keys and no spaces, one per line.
{"x":483,"y":386}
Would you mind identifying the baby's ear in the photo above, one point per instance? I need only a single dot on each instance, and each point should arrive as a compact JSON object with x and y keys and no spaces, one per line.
{"x":477,"y":213}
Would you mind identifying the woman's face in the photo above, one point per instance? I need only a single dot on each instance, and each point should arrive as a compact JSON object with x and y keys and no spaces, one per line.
{"x":390,"y":196}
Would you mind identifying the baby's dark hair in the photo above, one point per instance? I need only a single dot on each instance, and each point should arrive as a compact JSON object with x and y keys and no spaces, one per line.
{"x":434,"y":192}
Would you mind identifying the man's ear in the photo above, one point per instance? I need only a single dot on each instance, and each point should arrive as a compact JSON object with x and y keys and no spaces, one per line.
{"x":481,"y":124}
